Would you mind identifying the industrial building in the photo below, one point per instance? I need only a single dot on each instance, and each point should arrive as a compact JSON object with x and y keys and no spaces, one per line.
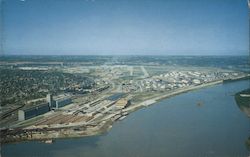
{"x":33,"y":112}
{"x":59,"y":102}
{"x":49,"y":99}
{"x":62,"y":102}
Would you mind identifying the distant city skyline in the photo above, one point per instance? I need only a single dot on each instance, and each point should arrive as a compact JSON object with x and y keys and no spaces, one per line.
{"x":125,"y":27}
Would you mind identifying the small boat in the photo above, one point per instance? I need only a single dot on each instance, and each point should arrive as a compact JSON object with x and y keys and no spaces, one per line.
{"x":49,"y":141}
{"x":122,"y":117}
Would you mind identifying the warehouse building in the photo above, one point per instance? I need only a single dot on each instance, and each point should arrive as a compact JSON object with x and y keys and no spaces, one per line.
{"x":62,"y":102}
{"x":33,"y":112}
{"x":43,"y":108}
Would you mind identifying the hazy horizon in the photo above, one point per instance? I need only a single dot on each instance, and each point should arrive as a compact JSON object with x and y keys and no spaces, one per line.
{"x":166,"y":55}
{"x":131,"y":27}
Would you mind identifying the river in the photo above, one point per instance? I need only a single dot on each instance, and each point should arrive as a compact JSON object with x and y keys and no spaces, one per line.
{"x":201,"y":123}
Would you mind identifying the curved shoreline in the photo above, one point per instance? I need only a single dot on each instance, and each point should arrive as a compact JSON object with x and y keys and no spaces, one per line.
{"x":105,"y":125}
{"x":176,"y":92}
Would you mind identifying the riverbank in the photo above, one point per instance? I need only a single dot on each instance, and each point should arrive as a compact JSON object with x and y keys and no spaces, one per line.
{"x":183,"y":90}
{"x":171,"y":123}
{"x":170,"y":94}
{"x":103,"y":126}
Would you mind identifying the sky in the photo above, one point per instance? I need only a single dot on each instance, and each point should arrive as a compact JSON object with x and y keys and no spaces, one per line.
{"x":125,"y":27}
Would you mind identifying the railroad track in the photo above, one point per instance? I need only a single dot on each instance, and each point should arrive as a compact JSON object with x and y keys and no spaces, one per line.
{"x":10,"y":112}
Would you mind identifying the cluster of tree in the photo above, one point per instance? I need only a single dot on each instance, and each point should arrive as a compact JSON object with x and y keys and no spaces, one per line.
{"x":17,"y":85}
